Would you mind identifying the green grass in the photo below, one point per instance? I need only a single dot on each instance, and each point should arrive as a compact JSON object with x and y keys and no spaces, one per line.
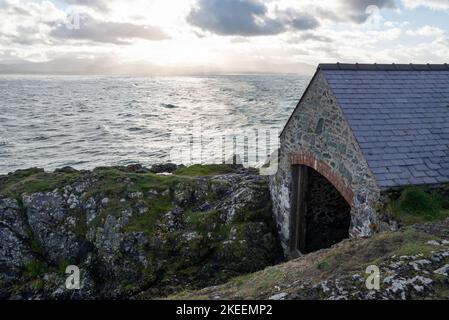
{"x":33,"y":181}
{"x":186,"y":294}
{"x":373,"y":251}
{"x":250,"y":285}
{"x":35,"y":268}
{"x":205,"y":170}
{"x":414,"y":242}
{"x":345,"y":259}
{"x":203,"y":221}
{"x":145,"y":223}
{"x":415,"y":205}
{"x":109,"y":181}
{"x":150,"y":181}
{"x":324,"y":265}
{"x":414,"y":248}
{"x":38,"y":285}
{"x":34,"y":245}
{"x":62,"y":266}
{"x":113,"y":182}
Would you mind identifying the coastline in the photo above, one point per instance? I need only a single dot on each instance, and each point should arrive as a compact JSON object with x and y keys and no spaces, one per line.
{"x":133,"y":232}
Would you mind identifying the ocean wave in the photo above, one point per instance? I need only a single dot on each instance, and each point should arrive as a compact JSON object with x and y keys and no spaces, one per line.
{"x":133,"y":129}
{"x":38,"y":138}
{"x":126,"y":115}
{"x":133,"y":122}
{"x":168,"y":106}
{"x":5,"y":143}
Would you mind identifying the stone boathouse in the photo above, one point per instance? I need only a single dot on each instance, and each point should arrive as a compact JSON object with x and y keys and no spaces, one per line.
{"x":358,"y":131}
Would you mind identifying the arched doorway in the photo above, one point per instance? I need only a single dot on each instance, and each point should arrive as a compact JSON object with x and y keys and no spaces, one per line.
{"x":321,"y":216}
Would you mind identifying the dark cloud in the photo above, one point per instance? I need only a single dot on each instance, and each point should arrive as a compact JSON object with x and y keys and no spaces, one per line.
{"x":246,"y":18}
{"x":298,"y":20}
{"x":361,"y":5}
{"x":234,"y":17}
{"x":96,"y":4}
{"x":355,"y":10}
{"x":107,"y":32}
{"x":358,"y":8}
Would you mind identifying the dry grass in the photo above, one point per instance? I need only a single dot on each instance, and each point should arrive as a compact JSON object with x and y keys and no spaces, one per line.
{"x":346,"y":258}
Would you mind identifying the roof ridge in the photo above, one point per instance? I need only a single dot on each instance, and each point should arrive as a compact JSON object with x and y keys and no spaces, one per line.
{"x":383,"y":67}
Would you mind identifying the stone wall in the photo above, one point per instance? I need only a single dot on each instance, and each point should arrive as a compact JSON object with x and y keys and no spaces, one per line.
{"x":318,"y":135}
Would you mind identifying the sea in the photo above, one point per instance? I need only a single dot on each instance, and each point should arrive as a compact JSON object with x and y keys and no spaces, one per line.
{"x":90,"y":121}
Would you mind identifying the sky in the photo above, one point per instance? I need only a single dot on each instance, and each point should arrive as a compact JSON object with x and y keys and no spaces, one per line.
{"x":184,"y":37}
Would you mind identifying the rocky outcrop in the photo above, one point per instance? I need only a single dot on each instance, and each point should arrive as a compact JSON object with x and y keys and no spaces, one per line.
{"x":132,"y":233}
{"x":13,"y":236}
{"x":412,"y":264}
{"x":403,"y":278}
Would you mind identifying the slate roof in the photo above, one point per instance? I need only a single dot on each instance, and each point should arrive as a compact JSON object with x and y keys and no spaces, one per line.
{"x":400,"y":116}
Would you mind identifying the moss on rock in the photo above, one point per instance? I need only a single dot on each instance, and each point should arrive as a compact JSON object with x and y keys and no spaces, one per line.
{"x":205,"y":170}
{"x":141,"y":234}
{"x":409,"y":261}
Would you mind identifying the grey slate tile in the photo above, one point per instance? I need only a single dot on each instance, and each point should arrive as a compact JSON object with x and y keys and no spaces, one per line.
{"x":400,"y":119}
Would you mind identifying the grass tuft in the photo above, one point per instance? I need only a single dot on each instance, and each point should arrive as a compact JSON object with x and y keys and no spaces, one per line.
{"x":33,"y":181}
{"x":146,"y":223}
{"x":35,"y":269}
{"x":415,"y":205}
{"x":205,"y":170}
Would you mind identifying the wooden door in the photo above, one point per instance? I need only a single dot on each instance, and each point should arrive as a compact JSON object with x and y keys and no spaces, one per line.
{"x":299,"y":209}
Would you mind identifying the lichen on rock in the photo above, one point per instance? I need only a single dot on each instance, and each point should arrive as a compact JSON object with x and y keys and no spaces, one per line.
{"x":132,"y":233}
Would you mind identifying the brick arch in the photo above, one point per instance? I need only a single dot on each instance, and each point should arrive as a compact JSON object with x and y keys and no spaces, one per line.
{"x":307,"y":159}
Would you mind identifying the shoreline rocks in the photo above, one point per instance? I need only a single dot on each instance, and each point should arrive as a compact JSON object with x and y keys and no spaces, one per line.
{"x":134,"y":234}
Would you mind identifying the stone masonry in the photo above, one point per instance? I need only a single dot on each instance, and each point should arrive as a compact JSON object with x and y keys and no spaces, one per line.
{"x":318,"y":136}
{"x":368,"y":129}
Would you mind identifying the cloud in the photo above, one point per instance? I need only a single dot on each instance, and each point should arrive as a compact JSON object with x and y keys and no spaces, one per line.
{"x":27,"y":35}
{"x":356,"y":11}
{"x":363,"y":9}
{"x":246,"y":18}
{"x":426,"y":31}
{"x":30,"y":23}
{"x":240,"y":40}
{"x":95,"y":4}
{"x":17,"y":10}
{"x":431,"y":4}
{"x":362,"y":5}
{"x":34,"y":38}
{"x":312,"y":37}
{"x":234,"y":17}
{"x":13,"y":8}
{"x":107,"y":31}
{"x":297,"y":20}
{"x":26,"y":23}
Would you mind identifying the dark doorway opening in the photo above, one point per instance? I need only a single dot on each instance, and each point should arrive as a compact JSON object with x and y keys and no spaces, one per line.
{"x":321,"y":216}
